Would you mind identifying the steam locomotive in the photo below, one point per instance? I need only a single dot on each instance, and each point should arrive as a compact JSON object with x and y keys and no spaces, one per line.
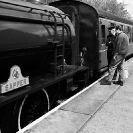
{"x":38,"y":62}
{"x":47,"y":52}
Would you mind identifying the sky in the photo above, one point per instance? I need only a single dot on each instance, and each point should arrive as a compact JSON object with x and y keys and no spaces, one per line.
{"x":129,"y":6}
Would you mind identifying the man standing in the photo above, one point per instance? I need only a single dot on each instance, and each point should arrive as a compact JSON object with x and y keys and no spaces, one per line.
{"x":120,"y":52}
{"x":110,"y":43}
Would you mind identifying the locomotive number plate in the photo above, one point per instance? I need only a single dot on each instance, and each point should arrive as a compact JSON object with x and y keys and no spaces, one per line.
{"x":16,"y":80}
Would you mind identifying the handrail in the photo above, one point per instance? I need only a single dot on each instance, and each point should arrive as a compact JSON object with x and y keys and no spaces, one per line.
{"x":63,"y":41}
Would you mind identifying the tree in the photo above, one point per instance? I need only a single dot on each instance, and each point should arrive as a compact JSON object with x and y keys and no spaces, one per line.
{"x":123,"y":12}
{"x":111,"y":6}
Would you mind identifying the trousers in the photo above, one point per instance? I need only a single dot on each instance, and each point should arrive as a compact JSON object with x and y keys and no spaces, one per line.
{"x":109,"y":56}
{"x":117,"y":63}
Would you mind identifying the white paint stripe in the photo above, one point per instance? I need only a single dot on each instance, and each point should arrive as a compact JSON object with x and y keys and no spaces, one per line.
{"x":59,"y":106}
{"x":131,"y":59}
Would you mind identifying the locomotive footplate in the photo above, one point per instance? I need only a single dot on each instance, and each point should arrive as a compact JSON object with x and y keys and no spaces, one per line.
{"x":45,"y":81}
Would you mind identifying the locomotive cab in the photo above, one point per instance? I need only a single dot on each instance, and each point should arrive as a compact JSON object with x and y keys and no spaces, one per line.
{"x":85,"y":19}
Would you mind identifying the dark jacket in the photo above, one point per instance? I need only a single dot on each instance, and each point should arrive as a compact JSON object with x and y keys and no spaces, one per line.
{"x":110,"y":42}
{"x":122,"y":44}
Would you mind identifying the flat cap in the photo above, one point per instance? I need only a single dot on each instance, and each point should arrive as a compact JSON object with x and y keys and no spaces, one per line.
{"x":111,"y":27}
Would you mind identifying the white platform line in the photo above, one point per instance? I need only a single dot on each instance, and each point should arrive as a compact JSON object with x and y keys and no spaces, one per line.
{"x":59,"y":106}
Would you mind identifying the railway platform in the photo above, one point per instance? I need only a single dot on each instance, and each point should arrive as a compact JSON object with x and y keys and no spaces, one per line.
{"x":98,"y":108}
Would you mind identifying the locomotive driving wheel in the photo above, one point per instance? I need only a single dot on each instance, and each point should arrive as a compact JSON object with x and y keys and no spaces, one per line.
{"x":30,"y":108}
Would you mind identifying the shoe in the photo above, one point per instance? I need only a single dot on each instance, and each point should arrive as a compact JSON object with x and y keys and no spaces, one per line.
{"x":119,"y":83}
{"x":107,"y":82}
{"x":114,"y":78}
